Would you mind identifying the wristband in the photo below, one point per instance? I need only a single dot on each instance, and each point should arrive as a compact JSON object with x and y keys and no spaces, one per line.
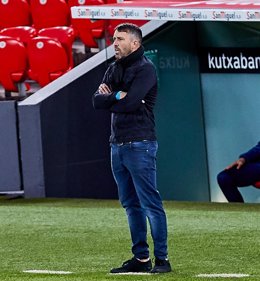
{"x":118,"y":95}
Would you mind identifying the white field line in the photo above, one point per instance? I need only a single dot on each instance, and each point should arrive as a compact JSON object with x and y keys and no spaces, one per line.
{"x":47,"y":271}
{"x":223,"y":275}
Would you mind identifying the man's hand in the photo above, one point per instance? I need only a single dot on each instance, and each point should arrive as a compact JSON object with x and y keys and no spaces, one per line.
{"x":239,"y":163}
{"x":122,"y":94}
{"x":104,"y":89}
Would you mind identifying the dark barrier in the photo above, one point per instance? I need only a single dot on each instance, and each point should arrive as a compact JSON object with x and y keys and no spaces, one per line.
{"x":65,"y":148}
{"x":10,"y":179}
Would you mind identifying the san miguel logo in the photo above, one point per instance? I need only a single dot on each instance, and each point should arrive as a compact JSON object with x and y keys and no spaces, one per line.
{"x":230,"y":60}
{"x":123,"y":13}
{"x":224,"y":15}
{"x":89,"y":13}
{"x":253,"y":15}
{"x":191,"y":15}
{"x":157,"y":14}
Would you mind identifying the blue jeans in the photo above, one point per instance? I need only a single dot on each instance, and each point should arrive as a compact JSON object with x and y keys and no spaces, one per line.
{"x":134,"y":169}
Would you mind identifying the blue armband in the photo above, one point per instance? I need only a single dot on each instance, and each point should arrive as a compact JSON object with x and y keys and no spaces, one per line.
{"x":118,"y":95}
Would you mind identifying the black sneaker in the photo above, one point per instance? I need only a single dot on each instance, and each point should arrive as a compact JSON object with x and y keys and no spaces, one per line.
{"x":161,"y":266}
{"x":133,"y":265}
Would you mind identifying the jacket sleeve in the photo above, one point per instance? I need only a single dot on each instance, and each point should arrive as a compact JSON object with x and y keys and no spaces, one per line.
{"x":144,"y":80}
{"x":253,"y":154}
{"x":104,"y":101}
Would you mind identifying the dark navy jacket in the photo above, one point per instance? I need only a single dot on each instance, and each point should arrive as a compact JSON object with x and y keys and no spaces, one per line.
{"x":132,"y":117}
{"x":253,"y":155}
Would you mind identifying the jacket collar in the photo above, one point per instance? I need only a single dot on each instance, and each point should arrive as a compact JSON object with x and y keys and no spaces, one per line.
{"x":131,"y":58}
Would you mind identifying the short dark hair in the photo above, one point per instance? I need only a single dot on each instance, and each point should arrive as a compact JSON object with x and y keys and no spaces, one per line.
{"x":130,"y":28}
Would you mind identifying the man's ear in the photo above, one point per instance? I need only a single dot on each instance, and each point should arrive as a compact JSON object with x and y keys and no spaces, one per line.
{"x":136,"y":44}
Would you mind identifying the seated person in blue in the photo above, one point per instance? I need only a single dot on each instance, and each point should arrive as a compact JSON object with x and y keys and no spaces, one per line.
{"x":243,"y":172}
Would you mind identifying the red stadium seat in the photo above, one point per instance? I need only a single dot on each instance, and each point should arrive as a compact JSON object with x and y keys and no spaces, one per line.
{"x":65,"y":35}
{"x":89,"y":31}
{"x":48,"y":60}
{"x":21,"y":33}
{"x":49,"y":13}
{"x":14,"y":13}
{"x":257,"y":184}
{"x":14,"y":63}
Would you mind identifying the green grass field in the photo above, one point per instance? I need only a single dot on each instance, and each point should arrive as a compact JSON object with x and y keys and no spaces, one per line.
{"x":88,"y":237}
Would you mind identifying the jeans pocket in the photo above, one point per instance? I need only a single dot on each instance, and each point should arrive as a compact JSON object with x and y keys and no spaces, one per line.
{"x":150,"y":147}
{"x":139,"y":145}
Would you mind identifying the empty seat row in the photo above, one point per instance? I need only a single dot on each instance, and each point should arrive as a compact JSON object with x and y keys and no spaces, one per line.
{"x":41,"y":56}
{"x":40,"y":13}
{"x":49,"y":13}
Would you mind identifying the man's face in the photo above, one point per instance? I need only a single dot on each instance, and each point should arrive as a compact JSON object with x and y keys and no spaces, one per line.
{"x":124,"y":44}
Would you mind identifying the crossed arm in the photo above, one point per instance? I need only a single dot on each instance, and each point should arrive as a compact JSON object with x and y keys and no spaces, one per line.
{"x":105,"y":90}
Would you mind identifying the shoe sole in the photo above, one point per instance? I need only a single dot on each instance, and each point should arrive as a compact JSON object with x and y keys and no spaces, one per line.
{"x":160,"y":272}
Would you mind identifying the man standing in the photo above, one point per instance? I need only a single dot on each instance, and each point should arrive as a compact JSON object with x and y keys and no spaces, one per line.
{"x":129,"y":90}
